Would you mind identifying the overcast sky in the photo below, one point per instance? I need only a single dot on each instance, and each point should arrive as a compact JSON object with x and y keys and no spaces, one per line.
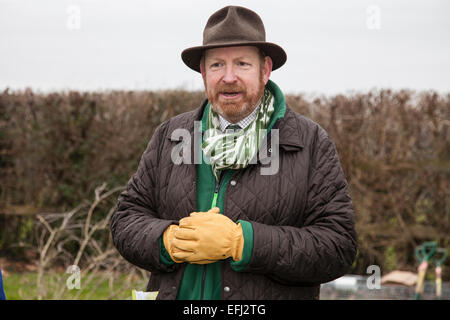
{"x":332,"y":46}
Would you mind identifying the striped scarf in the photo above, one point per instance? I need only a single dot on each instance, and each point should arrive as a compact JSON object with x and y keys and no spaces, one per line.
{"x":234,"y":149}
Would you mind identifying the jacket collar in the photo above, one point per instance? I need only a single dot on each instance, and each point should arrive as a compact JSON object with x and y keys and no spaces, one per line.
{"x":290,"y":134}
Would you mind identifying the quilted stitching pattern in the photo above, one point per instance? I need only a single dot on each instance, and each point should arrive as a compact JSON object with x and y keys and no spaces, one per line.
{"x":302,"y":216}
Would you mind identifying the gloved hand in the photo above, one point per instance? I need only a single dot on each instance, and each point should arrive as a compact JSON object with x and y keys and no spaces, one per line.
{"x":206,"y":237}
{"x":169,"y":235}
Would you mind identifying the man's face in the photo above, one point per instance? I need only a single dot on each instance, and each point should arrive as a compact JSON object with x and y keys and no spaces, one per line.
{"x":234,"y":79}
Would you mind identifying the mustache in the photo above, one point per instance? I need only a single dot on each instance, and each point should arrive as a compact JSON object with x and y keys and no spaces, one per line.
{"x":229,"y":89}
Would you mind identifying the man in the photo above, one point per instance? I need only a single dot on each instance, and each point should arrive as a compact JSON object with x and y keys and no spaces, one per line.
{"x":2,"y":293}
{"x":221,"y":227}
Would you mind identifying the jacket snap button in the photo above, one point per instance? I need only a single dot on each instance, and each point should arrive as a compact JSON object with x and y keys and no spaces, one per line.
{"x":173,"y":288}
{"x":227,"y":289}
{"x":233,"y":183}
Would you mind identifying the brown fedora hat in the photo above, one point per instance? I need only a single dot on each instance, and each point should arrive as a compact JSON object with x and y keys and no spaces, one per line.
{"x":234,"y":26}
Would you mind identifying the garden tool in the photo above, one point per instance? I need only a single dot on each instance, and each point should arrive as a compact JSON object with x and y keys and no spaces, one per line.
{"x":424,"y":254}
{"x":439,"y":258}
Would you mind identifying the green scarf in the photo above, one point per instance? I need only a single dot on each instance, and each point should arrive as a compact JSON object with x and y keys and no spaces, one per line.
{"x":234,"y":149}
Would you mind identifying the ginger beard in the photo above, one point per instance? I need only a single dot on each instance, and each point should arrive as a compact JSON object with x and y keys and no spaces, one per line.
{"x":235,"y":109}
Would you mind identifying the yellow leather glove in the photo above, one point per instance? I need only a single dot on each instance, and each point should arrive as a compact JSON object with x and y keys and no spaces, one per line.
{"x":169,"y":235}
{"x":205,"y":237}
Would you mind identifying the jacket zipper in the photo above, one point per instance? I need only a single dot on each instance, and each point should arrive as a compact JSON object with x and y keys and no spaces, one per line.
{"x":213,"y":204}
{"x":216,"y":192}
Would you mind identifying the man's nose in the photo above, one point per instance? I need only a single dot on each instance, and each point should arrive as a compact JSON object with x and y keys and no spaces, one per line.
{"x":230,"y":75}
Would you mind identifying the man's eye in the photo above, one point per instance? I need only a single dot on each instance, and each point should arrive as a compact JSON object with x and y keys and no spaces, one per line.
{"x":243,"y":64}
{"x":215,"y":65}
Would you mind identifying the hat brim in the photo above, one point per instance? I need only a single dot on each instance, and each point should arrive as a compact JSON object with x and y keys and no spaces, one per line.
{"x":192,"y":56}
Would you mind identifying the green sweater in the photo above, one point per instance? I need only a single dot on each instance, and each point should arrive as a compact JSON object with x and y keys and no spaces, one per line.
{"x":204,"y":281}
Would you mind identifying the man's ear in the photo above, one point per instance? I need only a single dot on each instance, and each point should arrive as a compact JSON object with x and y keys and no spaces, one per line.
{"x":267,"y":68}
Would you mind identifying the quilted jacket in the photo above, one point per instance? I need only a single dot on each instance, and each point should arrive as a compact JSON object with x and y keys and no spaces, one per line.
{"x":302,"y":216}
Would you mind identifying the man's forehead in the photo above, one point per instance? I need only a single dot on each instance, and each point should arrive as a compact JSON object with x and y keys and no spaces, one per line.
{"x":246,"y":51}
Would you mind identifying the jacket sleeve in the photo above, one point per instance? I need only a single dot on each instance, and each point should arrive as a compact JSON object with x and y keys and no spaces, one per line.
{"x":136,"y":225}
{"x":324,"y":248}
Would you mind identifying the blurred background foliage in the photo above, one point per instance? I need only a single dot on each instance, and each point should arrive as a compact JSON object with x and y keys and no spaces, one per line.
{"x":394,"y":146}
